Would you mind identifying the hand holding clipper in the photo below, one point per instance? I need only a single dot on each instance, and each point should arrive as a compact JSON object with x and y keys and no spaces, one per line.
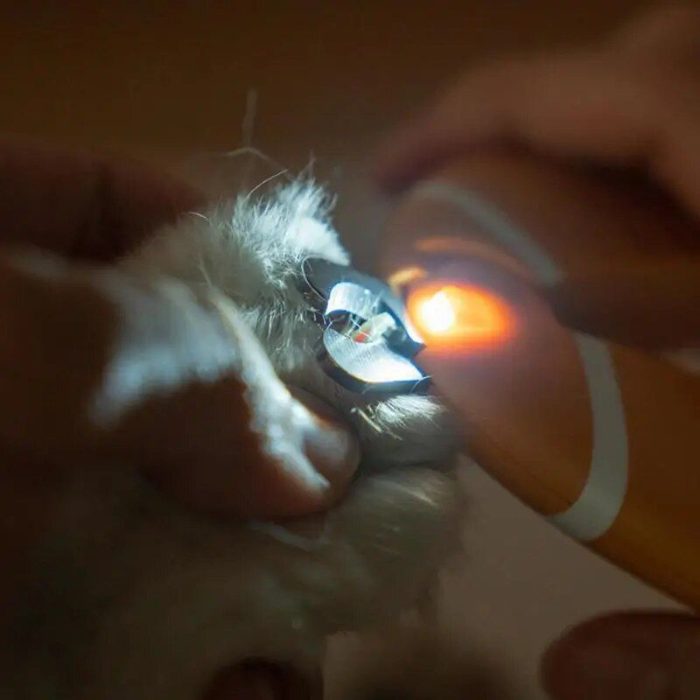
{"x":564,"y":193}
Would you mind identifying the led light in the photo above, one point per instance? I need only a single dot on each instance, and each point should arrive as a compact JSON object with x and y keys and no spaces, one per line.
{"x":459,"y":316}
{"x":437,"y":313}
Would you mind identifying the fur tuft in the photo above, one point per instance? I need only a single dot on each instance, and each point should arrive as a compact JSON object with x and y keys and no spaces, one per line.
{"x":134,"y":597}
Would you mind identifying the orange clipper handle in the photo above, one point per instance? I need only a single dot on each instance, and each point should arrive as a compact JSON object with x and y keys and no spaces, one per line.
{"x":603,"y":440}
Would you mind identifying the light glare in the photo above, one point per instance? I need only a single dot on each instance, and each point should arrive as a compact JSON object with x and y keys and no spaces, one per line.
{"x":436,"y":313}
{"x":459,"y":316}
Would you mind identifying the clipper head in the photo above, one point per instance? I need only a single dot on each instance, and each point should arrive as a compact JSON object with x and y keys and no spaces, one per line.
{"x":368,"y":344}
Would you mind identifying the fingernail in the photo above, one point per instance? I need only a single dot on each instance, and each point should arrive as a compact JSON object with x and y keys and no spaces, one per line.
{"x":329,"y":443}
{"x":332,"y":449}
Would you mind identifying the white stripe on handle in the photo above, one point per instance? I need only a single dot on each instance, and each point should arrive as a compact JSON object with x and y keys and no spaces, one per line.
{"x":601,"y":499}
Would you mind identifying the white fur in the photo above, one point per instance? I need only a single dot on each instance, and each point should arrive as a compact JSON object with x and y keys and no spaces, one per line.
{"x":135,"y":598}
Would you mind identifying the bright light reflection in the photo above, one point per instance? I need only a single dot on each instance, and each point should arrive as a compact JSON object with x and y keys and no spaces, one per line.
{"x":436,"y":313}
{"x":459,"y":316}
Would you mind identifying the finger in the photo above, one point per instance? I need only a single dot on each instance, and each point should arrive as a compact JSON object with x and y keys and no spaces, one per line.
{"x":634,"y":655}
{"x":584,"y":105}
{"x":103,"y":367}
{"x":653,"y":306}
{"x":82,"y":205}
{"x":199,"y":445}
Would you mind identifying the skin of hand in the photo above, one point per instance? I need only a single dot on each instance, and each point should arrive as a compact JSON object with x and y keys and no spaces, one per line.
{"x":67,"y":316}
{"x":631,"y":103}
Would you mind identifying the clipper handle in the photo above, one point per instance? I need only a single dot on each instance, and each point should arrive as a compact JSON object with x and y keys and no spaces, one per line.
{"x":602,"y":439}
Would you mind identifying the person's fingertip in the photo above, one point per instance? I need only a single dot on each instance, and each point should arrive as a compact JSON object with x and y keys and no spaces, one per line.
{"x":649,"y":656}
{"x":608,"y":672}
{"x":335,"y":453}
{"x":330,"y":445}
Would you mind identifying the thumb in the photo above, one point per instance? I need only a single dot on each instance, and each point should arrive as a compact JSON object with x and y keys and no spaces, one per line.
{"x":96,"y":364}
{"x":627,"y":656}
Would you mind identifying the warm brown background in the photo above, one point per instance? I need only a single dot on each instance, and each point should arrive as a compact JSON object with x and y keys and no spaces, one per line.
{"x":171,"y":78}
{"x":167,"y":80}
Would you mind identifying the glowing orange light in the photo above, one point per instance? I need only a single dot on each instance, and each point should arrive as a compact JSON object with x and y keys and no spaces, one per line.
{"x":459,"y":316}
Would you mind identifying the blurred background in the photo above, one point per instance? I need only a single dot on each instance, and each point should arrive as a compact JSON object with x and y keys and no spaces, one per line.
{"x":180,"y":82}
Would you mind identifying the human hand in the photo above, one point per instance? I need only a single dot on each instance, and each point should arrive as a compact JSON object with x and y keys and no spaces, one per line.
{"x":68,"y":320}
{"x":630,"y":106}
